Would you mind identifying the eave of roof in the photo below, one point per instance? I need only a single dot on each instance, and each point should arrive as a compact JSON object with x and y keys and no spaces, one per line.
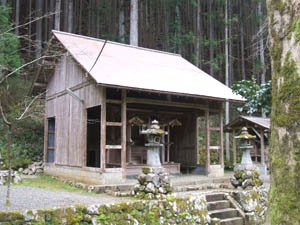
{"x":259,"y":121}
{"x":132,"y":67}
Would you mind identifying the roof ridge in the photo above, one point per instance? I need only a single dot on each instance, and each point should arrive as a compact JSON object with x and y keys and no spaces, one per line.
{"x":116,"y":43}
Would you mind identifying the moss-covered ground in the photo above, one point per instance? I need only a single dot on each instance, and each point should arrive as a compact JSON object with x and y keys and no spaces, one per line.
{"x":48,"y":182}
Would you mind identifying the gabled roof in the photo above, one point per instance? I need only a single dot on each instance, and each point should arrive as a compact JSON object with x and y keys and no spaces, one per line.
{"x":131,"y":67}
{"x":242,"y":121}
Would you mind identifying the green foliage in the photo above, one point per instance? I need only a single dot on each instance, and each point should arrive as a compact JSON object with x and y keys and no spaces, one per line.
{"x":297,"y":29}
{"x":258,"y":96}
{"x":27,"y":144}
{"x":9,"y":43}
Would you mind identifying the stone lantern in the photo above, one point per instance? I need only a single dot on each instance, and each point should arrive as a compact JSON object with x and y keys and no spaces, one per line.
{"x":153,"y":134}
{"x":245,"y":173}
{"x":154,"y":180}
{"x":246,"y":147}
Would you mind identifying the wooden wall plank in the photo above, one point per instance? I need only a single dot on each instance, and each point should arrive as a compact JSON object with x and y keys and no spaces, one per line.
{"x":62,"y":128}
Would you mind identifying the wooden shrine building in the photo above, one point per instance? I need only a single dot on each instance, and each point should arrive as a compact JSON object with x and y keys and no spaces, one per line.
{"x":258,"y":126}
{"x":100,"y":94}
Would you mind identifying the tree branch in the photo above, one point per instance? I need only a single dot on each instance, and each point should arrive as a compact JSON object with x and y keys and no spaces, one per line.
{"x":28,"y":107}
{"x":26,"y":64}
{"x":25,"y":24}
{"x":3,"y":116}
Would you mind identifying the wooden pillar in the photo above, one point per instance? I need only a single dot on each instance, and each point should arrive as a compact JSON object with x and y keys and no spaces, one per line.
{"x":262,"y":146}
{"x":234,"y":146}
{"x":197,"y":141}
{"x":84,"y":143}
{"x":168,"y":145}
{"x":103,"y":130}
{"x":221,"y":138}
{"x":207,"y":141}
{"x":163,"y":149}
{"x":129,"y":145}
{"x":124,"y":142}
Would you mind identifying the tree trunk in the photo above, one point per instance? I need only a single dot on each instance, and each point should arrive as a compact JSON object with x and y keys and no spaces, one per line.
{"x":227,"y":78}
{"x":166,"y":25}
{"x":261,"y":43}
{"x":242,"y":40}
{"x":57,"y":15}
{"x":284,"y":205}
{"x":29,"y":27}
{"x":80,"y":18}
{"x":65,"y":13}
{"x":17,"y":22}
{"x":211,"y":39}
{"x":38,"y":28}
{"x":122,"y":22}
{"x":70,"y":16}
{"x":134,"y":23}
{"x":9,"y":135}
{"x":199,"y":34}
{"x":178,"y":30}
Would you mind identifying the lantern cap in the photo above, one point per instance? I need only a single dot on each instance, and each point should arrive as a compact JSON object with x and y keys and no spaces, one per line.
{"x":245,"y":135}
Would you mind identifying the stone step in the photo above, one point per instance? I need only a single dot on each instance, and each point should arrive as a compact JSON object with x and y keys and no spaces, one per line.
{"x":233,"y":221}
{"x":222,"y":204}
{"x":214,"y":197}
{"x":223,"y":213}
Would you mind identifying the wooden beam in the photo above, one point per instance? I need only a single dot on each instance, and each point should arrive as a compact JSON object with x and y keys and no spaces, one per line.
{"x":124,"y":142}
{"x":166,"y":103}
{"x":114,"y":124}
{"x":114,"y":101}
{"x":234,"y":146}
{"x":214,"y":128}
{"x":103,"y":130}
{"x":262,"y":146}
{"x":207,"y":141}
{"x":256,"y":132}
{"x":221,"y":138}
{"x":64,"y":92}
{"x":109,"y":147}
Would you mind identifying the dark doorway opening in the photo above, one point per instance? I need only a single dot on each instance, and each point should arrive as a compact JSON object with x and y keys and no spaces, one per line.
{"x":93,"y":137}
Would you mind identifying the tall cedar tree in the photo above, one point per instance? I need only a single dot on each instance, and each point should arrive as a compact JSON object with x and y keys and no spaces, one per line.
{"x":284,"y":29}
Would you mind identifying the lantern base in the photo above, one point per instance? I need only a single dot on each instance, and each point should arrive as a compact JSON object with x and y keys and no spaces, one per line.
{"x":154,"y":183}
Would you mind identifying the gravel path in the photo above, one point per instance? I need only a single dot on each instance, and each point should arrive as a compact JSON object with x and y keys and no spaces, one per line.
{"x":23,"y":197}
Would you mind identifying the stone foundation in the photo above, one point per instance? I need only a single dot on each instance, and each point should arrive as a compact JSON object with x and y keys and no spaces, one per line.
{"x":84,"y":176}
{"x":173,"y":210}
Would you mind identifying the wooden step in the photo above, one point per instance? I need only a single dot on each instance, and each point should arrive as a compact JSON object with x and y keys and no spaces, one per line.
{"x":222,"y":204}
{"x":214,"y":197}
{"x":233,"y":221}
{"x":223,"y":213}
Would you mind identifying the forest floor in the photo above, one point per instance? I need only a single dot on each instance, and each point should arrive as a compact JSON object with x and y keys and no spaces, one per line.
{"x":44,"y":192}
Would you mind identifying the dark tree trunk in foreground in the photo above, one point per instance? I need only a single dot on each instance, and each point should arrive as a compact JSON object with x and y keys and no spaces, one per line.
{"x":284,"y":28}
{"x":9,"y":134}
